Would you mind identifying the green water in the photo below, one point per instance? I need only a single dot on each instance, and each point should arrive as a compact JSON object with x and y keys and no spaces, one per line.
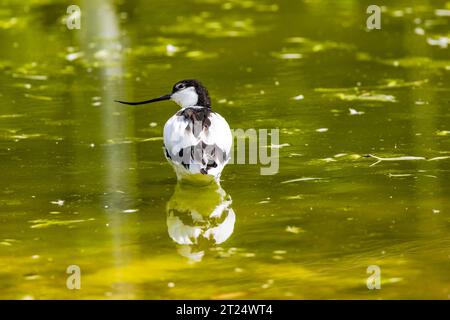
{"x":83,"y":181}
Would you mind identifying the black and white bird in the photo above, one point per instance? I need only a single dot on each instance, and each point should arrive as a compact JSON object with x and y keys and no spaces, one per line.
{"x":197,"y":140}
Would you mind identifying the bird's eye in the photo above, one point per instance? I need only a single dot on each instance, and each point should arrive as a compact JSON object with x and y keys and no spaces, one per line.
{"x":180,"y":86}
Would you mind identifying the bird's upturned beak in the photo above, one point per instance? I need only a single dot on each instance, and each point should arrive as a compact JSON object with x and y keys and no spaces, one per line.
{"x":166,"y":97}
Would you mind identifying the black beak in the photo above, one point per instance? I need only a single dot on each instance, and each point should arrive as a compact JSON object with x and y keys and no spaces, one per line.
{"x":166,"y":97}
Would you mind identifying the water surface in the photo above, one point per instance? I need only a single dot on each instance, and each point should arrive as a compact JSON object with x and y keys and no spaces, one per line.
{"x":83,"y":180}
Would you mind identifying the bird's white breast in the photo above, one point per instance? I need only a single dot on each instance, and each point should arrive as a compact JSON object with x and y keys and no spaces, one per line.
{"x":178,"y":135}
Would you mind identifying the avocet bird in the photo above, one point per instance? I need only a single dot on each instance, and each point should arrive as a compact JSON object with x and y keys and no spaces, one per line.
{"x":197,"y":141}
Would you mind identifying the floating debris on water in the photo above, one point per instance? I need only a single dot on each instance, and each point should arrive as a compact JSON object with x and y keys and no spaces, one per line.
{"x":339,"y":155}
{"x":30,"y":76}
{"x":407,"y":62}
{"x":443,"y":133}
{"x":58,"y":202}
{"x":311,"y":46}
{"x":11,"y":116}
{"x":267,"y":284}
{"x":322,"y":130}
{"x":439,"y":158}
{"x":295,"y":154}
{"x":32,"y":276}
{"x":24,"y":136}
{"x":249,"y":255}
{"x":8,"y":242}
{"x":44,"y":223}
{"x":132,"y":140}
{"x":288,"y":56}
{"x":354,"y":112}
{"x":442,"y":12}
{"x":130,"y":210}
{"x":297,"y":197}
{"x":385,"y":84}
{"x":366,"y":96}
{"x":23,"y":85}
{"x":441,"y":42}
{"x":294,"y":229}
{"x":248,"y":5}
{"x":299,"y":97}
{"x":403,"y":158}
{"x":302,"y":179}
{"x":399,"y":175}
{"x":354,"y":156}
{"x":419,"y":31}
{"x":229,"y":295}
{"x":277,"y":146}
{"x":10,"y":22}
{"x":74,"y":56}
{"x":204,"y":25}
{"x":200,"y":55}
{"x":328,"y":160}
{"x":171,"y":49}
{"x":37,"y":97}
{"x":395,"y":280}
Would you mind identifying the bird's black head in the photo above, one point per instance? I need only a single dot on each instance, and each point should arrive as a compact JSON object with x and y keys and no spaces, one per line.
{"x":195,"y":85}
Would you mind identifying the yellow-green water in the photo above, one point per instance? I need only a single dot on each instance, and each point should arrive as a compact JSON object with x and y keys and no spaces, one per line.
{"x":83,"y":181}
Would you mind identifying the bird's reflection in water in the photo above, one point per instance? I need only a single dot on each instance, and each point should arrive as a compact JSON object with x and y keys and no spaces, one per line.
{"x":199,"y":218}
